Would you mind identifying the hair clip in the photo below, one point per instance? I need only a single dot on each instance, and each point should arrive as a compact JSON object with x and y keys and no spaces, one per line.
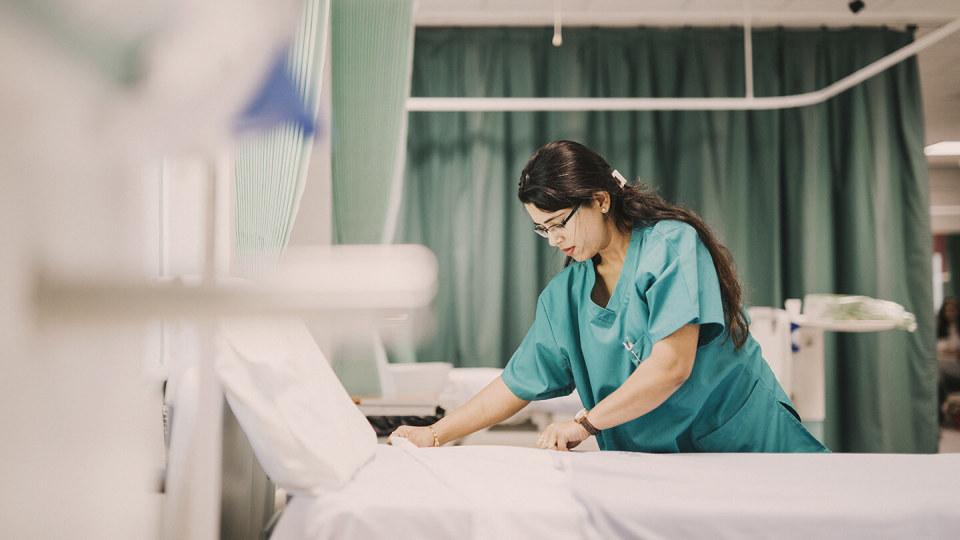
{"x":620,"y":179}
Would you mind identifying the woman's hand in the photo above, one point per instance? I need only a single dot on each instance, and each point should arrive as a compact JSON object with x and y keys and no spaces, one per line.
{"x":421,"y":436}
{"x":562,"y":436}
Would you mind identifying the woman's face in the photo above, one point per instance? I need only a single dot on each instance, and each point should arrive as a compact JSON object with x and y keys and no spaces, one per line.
{"x":583,"y":235}
{"x":950,"y":311}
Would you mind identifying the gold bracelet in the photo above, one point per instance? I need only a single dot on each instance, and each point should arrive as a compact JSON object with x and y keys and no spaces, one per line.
{"x":436,"y":439}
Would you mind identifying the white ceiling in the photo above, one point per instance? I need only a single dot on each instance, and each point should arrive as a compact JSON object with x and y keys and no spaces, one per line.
{"x":652,"y":12}
{"x":939,"y":64}
{"x":940,"y":82}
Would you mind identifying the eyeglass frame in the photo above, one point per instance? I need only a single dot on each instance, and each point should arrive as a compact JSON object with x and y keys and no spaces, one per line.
{"x":544,"y":232}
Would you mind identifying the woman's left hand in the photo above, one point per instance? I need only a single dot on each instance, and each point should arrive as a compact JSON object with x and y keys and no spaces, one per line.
{"x":562,"y":436}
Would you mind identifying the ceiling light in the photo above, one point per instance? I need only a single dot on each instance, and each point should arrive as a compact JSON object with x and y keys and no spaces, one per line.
{"x":943,"y":148}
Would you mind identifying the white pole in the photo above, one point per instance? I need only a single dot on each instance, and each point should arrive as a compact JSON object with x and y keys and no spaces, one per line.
{"x":192,"y":503}
{"x":485,"y":16}
{"x":681,"y":104}
{"x":747,"y":50}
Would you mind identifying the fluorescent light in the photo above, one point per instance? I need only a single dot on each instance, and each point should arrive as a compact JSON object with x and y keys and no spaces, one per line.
{"x":943,"y":148}
{"x":945,"y":210}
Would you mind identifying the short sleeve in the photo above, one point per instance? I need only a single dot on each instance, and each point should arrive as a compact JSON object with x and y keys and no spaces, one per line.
{"x":539,"y":369}
{"x":677,"y":277}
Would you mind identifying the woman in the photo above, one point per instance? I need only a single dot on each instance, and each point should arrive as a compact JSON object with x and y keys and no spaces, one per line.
{"x":948,"y":352}
{"x":645,"y":322}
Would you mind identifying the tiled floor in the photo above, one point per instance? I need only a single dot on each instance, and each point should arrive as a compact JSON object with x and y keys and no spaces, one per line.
{"x":949,"y":440}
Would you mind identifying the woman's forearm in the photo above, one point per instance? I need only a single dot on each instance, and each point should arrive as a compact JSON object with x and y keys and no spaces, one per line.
{"x":492,"y":405}
{"x":652,"y":383}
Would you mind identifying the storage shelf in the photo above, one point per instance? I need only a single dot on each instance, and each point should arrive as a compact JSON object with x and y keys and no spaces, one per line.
{"x":834,"y":325}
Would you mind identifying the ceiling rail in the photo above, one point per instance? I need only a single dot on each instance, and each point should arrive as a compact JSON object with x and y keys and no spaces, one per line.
{"x":505,"y":104}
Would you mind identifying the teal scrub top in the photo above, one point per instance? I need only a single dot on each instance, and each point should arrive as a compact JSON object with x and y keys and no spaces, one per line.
{"x":731,"y":401}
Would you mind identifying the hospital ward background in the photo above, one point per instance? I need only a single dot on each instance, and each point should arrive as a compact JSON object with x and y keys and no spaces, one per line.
{"x":243,"y":242}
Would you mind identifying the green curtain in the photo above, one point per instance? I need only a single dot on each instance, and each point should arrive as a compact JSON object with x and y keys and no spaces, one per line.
{"x":271,"y":167}
{"x":372,"y":49}
{"x":827,"y":198}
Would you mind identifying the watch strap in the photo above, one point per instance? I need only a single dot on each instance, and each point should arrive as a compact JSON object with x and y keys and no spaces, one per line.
{"x":581,"y":419}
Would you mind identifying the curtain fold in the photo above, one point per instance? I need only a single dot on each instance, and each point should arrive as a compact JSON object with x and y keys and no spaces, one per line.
{"x":271,"y":167}
{"x":827,"y":198}
{"x":372,"y":47}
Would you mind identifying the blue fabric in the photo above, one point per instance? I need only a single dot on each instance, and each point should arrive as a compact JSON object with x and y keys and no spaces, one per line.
{"x":276,"y":102}
{"x":731,"y":402}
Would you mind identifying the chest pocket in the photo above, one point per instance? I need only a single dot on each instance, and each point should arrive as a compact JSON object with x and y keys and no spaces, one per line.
{"x":635,"y":345}
{"x":634,"y":351}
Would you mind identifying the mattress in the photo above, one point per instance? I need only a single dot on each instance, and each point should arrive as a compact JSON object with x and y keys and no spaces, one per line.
{"x":506,"y":492}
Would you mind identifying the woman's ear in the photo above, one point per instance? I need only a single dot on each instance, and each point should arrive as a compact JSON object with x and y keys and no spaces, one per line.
{"x":602,"y":201}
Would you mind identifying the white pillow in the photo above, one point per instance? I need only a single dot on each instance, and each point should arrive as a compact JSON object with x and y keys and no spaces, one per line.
{"x":303,"y":427}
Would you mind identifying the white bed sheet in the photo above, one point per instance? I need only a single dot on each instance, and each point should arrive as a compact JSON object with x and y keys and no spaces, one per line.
{"x":462,"y":492}
{"x":769,"y":495}
{"x":506,"y":492}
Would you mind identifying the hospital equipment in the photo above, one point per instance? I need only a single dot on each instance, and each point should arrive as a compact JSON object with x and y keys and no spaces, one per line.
{"x":423,"y":378}
{"x":464,"y":383}
{"x":792,"y":342}
{"x":413,"y":393}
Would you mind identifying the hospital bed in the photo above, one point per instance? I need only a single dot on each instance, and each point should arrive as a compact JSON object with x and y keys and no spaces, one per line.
{"x":463,"y":492}
{"x":484,"y":492}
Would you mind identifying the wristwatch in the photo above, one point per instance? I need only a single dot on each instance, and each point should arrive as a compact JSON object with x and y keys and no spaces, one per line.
{"x":581,"y":418}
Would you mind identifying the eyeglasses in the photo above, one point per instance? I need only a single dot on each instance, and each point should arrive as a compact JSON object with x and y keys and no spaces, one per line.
{"x":545,"y":231}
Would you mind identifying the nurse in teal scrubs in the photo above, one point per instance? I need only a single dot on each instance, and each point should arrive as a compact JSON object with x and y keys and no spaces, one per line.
{"x":645,"y":322}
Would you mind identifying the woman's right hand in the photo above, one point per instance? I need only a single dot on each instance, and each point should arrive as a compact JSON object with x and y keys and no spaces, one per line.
{"x":421,"y":436}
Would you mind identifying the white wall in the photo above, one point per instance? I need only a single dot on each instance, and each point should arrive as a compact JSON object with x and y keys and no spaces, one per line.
{"x":945,"y":199}
{"x":314,"y":222}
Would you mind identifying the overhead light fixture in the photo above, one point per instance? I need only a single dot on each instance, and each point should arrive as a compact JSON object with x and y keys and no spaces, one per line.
{"x":943,"y":148}
{"x":856,"y":6}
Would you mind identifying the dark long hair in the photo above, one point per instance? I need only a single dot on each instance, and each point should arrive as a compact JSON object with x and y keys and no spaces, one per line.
{"x":562,"y":174}
{"x":943,"y":325}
